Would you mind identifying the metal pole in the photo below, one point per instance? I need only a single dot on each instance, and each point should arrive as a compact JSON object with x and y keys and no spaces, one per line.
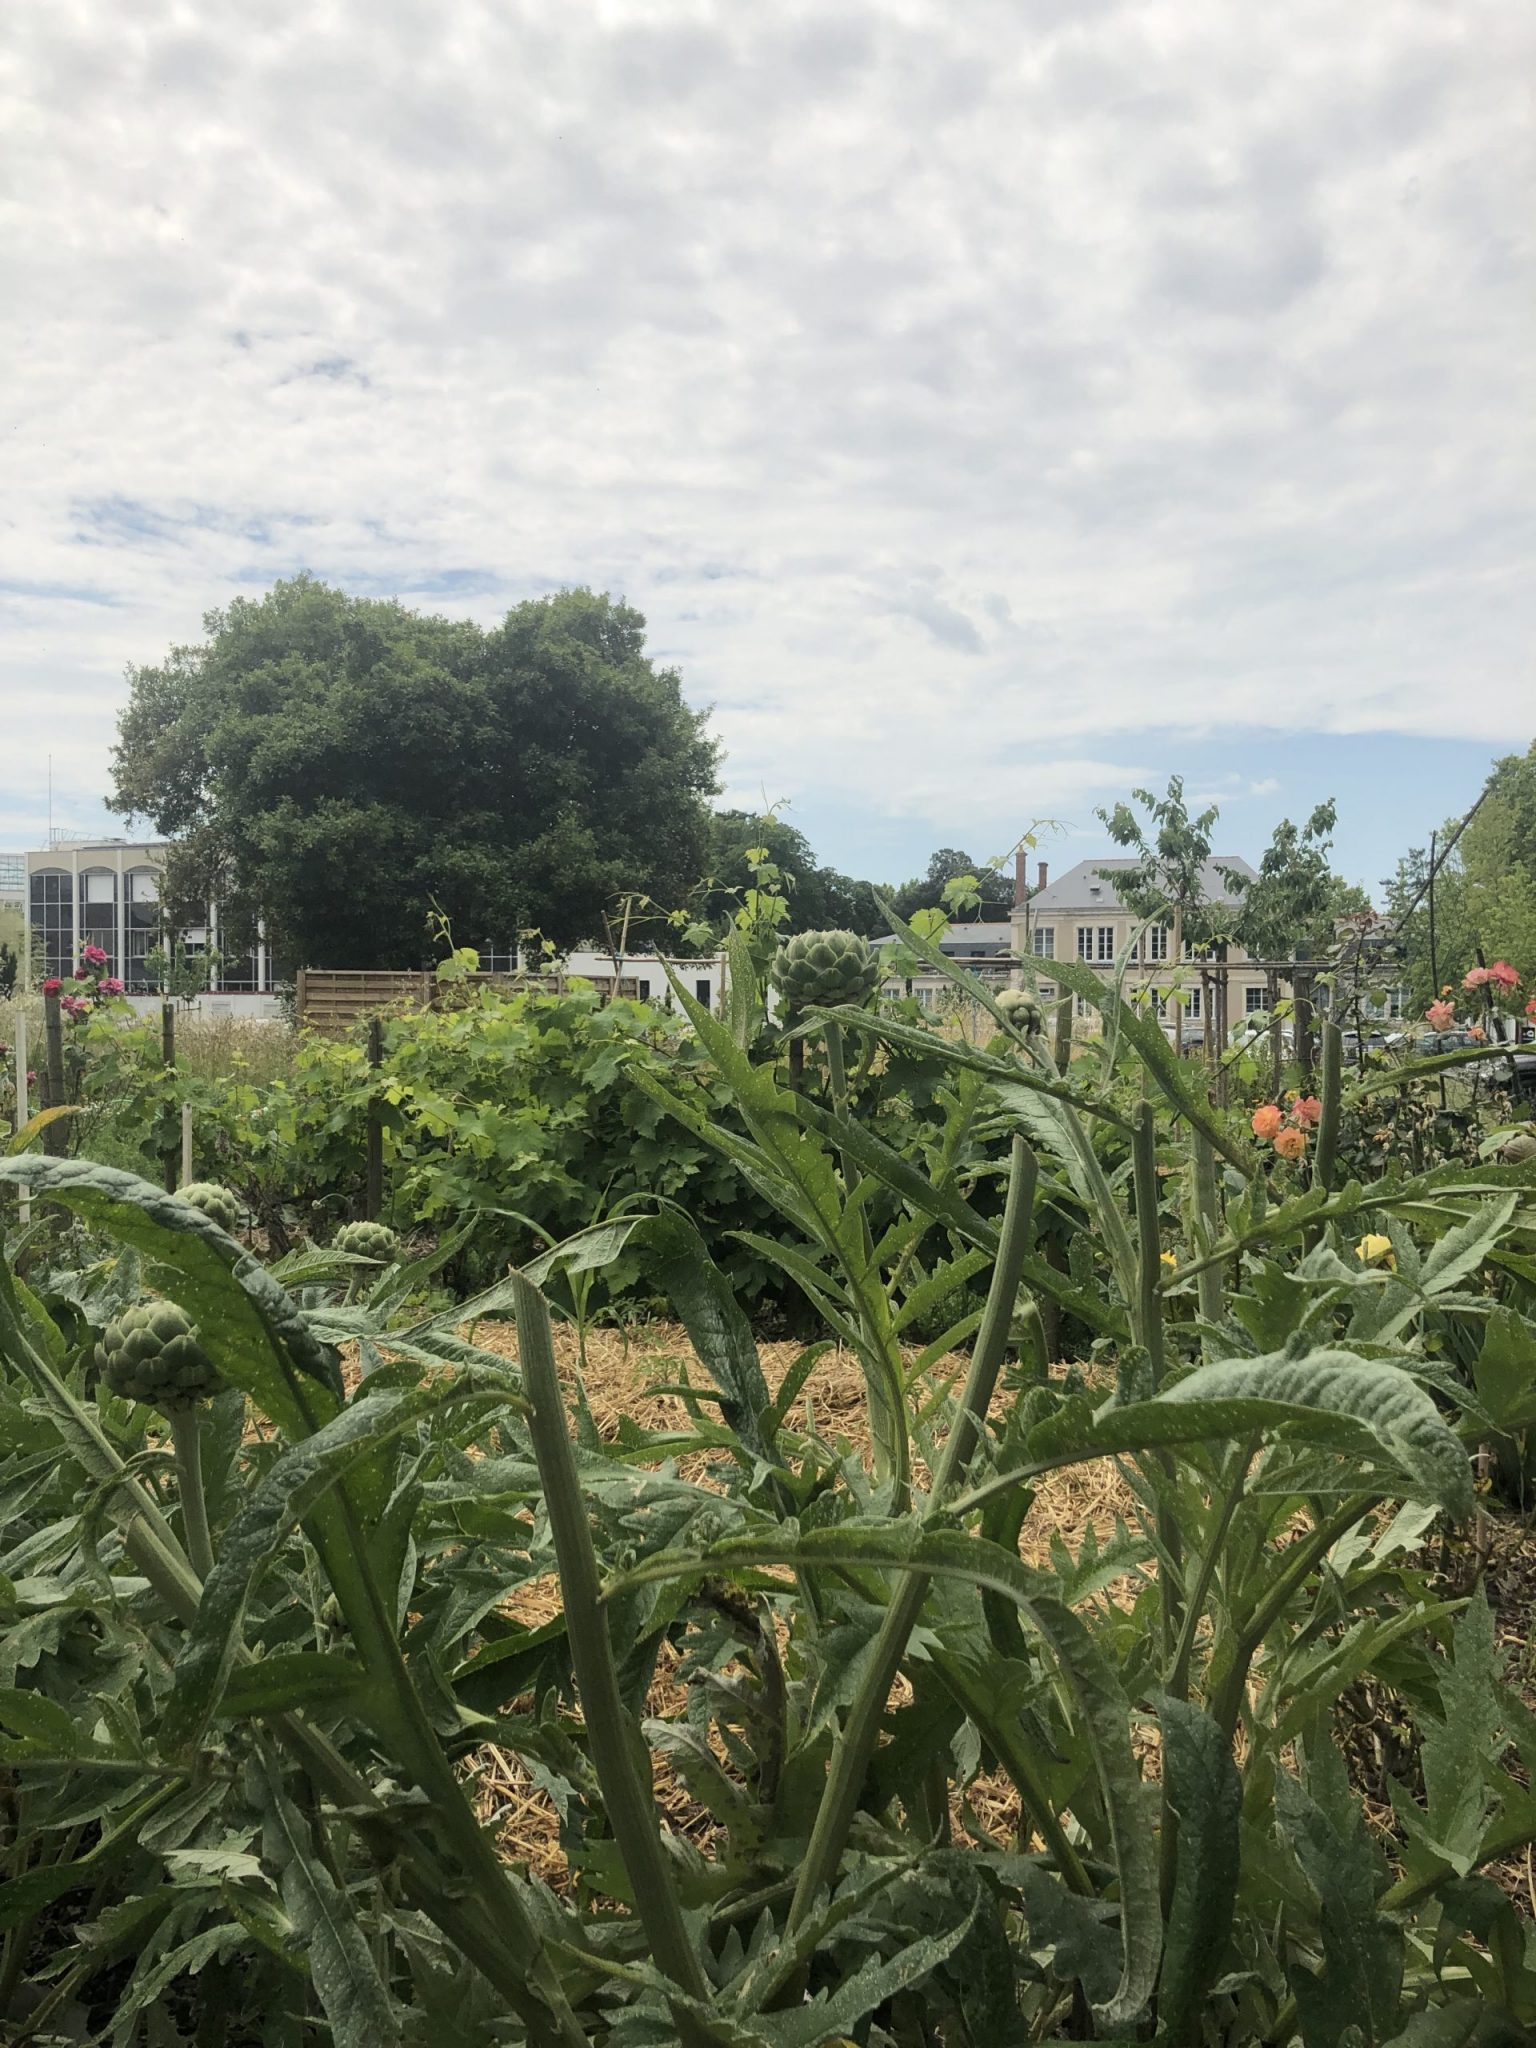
{"x":1434,"y":957}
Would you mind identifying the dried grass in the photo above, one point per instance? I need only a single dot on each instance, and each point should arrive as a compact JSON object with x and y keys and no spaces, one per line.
{"x":622,"y":1372}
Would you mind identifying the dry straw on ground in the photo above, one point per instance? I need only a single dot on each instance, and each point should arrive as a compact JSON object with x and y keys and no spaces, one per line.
{"x":620,"y":1372}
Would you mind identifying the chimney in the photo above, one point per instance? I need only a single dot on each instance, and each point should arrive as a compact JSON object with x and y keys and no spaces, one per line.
{"x":1020,"y":885}
{"x":1040,"y":877}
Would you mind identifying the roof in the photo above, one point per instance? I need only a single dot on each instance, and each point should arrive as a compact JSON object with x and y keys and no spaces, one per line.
{"x":967,"y":939}
{"x":1076,"y":889}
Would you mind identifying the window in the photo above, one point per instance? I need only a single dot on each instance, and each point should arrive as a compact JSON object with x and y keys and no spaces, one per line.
{"x":1157,"y":942}
{"x":1192,"y":1003}
{"x":1253,"y":999}
{"x":1082,"y":1006}
{"x":98,"y":913}
{"x":141,"y":886}
{"x":643,"y":990}
{"x":1045,"y":942}
{"x":1395,"y":1003}
{"x":496,"y":959}
{"x":53,"y":916}
{"x":1159,"y":1002}
{"x":1047,"y":990}
{"x":1085,"y":942}
{"x":1106,"y":946}
{"x":702,"y":992}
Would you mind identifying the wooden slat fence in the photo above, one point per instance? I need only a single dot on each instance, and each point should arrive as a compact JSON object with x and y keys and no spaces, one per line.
{"x":336,"y":999}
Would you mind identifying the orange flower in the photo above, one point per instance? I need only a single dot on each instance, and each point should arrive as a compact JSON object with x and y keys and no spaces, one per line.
{"x":1290,"y":1144}
{"x":1476,"y":1031}
{"x":1267,"y":1121}
{"x":1308,"y":1110}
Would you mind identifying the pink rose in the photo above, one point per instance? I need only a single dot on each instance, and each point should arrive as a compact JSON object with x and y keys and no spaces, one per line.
{"x":1441,"y":1016}
{"x":110,"y":985}
{"x":1307,"y":1110}
{"x":52,"y":985}
{"x":94,"y":954}
{"x":1503,"y":975}
{"x":82,"y":974}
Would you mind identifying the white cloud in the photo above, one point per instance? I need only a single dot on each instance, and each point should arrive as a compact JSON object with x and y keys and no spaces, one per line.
{"x":965,"y":394}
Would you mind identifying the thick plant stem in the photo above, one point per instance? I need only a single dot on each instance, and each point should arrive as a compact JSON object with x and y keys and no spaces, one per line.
{"x":1327,"y":1154}
{"x":1148,"y":1325}
{"x":611,"y":1734}
{"x":187,"y":1437}
{"x":888,"y":1422}
{"x":1208,"y":1287}
{"x":861,"y":1731}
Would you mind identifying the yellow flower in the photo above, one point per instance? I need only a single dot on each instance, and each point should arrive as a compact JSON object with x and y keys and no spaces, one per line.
{"x":1168,"y":1260}
{"x":1376,"y":1250}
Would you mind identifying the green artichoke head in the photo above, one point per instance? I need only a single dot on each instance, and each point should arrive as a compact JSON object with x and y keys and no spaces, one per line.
{"x":151,"y":1354}
{"x":1022,"y":1011}
{"x":216,"y":1203}
{"x":825,"y":969}
{"x":367,"y":1241}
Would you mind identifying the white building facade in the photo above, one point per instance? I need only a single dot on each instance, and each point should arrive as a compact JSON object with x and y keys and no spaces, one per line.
{"x":106,"y":892}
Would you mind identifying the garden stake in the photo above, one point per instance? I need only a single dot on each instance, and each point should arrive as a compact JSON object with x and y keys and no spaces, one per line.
{"x":374,"y":1204}
{"x":612,"y":1737}
{"x":168,"y":1062}
{"x":1332,"y":1090}
{"x":53,"y":1034}
{"x":861,"y":1730}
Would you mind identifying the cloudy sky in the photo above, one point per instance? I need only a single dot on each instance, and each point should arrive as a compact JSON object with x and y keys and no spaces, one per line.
{"x":990,"y":406}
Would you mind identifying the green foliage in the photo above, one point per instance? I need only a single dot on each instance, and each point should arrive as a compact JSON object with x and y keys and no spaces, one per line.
{"x":338,"y":766}
{"x":241,"y":1698}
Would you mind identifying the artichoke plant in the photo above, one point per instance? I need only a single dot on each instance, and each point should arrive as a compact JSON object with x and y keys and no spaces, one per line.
{"x":367,"y":1241}
{"x":216,"y":1203}
{"x":151,"y":1354}
{"x":826,"y":969}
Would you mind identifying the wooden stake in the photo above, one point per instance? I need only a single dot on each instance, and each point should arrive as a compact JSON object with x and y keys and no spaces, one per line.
{"x":374,"y":1198}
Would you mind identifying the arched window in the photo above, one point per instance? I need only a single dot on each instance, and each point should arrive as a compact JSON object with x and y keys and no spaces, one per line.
{"x":143,"y":891}
{"x":98,"y":912}
{"x":53,"y":916}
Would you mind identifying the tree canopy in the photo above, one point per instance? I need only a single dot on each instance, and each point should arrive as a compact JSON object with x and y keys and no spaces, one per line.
{"x":820,"y":898}
{"x":339,"y":766}
{"x":1485,"y":892}
{"x":926,"y":891}
{"x":1292,"y":908}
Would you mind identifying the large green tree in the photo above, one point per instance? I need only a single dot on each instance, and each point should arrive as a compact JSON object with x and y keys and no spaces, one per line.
{"x":339,"y":766}
{"x":1485,"y":887}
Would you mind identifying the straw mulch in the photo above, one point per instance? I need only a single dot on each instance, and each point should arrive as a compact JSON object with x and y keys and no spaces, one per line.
{"x":621,"y":1373}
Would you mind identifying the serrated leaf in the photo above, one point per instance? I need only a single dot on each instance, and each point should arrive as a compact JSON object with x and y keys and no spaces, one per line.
{"x":347,"y":1983}
{"x":246,"y":1322}
{"x":1204,"y":1793}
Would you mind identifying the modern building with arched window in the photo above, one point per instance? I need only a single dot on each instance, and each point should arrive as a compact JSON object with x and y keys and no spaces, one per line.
{"x":106,"y":893}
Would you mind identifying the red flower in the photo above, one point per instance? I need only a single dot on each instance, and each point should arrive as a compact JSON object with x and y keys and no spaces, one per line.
{"x":109,"y":985}
{"x":82,"y":974}
{"x":52,"y":985}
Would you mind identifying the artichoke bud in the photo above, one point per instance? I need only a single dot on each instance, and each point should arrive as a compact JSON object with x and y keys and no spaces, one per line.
{"x":151,"y":1354}
{"x":825,"y":969}
{"x":216,"y":1203}
{"x":367,"y":1241}
{"x":1021,"y":1010}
